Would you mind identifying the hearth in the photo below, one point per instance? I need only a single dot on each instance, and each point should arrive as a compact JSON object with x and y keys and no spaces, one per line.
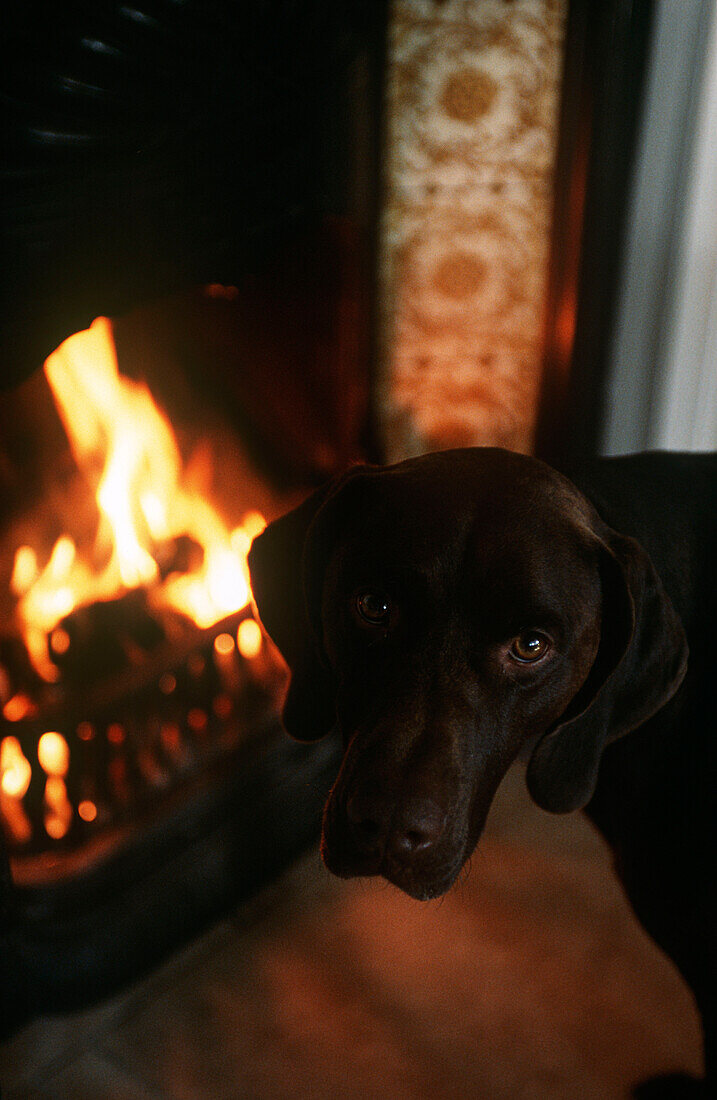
{"x":145,"y":781}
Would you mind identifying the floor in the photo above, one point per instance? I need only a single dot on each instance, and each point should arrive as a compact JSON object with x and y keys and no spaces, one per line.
{"x":530,"y":979}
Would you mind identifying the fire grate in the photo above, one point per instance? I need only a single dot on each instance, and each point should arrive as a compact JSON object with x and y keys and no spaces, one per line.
{"x":199,"y":796}
{"x":114,"y":757}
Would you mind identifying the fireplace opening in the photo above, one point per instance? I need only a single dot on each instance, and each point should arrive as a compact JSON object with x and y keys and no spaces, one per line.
{"x":133,"y":657}
{"x":189,"y":394}
{"x":139,"y":696}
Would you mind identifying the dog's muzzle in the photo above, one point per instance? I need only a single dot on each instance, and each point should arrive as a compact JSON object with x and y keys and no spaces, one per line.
{"x":405,"y":841}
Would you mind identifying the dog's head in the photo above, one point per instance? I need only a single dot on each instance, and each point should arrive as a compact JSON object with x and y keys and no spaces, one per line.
{"x":446,"y":613}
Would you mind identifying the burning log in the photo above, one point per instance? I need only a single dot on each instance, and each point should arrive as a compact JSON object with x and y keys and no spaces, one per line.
{"x":104,"y":638}
{"x":179,"y":555}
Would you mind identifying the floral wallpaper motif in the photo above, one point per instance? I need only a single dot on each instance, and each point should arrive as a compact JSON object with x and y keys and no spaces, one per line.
{"x":472,"y":115}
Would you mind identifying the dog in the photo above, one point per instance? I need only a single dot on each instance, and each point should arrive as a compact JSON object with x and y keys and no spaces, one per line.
{"x":455,"y":611}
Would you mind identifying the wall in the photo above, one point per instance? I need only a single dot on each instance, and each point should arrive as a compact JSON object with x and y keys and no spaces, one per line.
{"x":471,"y":131}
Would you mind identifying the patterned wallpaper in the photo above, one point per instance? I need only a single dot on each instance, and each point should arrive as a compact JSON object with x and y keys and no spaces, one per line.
{"x":472,"y":110}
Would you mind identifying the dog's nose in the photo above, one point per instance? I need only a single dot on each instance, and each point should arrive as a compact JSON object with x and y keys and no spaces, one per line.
{"x":369,"y":819}
{"x":404,"y":831}
{"x":415,"y":836}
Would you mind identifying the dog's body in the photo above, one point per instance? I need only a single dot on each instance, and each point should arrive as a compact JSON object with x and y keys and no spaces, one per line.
{"x":454,"y":611}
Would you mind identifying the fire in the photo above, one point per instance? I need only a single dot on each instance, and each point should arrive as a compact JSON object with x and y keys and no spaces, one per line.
{"x":87,"y":810}
{"x":57,"y":807}
{"x":125,"y":446}
{"x":249,"y":638}
{"x":15,"y":777}
{"x":18,"y":707}
{"x":15,"y":768}
{"x":53,"y":753}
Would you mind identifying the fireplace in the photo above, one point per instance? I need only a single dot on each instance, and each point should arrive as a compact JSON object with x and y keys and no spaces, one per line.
{"x":195,"y":385}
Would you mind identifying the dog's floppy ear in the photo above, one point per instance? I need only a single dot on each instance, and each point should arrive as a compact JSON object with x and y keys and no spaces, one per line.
{"x":277,"y":564}
{"x":641,"y":662}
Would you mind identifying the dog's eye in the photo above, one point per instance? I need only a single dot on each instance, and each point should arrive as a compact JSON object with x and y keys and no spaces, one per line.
{"x":373,"y":608}
{"x":530,"y":646}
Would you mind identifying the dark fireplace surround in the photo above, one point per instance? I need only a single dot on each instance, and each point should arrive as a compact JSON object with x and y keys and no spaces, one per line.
{"x":207,"y":176}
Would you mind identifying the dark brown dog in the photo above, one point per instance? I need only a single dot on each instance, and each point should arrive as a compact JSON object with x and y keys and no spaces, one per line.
{"x":453,"y":611}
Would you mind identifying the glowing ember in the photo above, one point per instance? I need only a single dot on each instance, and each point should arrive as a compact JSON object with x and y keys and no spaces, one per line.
{"x":25,"y":570}
{"x":87,"y":810}
{"x":18,"y":707}
{"x":59,"y":641}
{"x":53,"y":753}
{"x":224,"y":644}
{"x":115,"y":734}
{"x":15,"y":770}
{"x":58,"y":810}
{"x":86,"y":731}
{"x":125,"y":446}
{"x":249,"y":639}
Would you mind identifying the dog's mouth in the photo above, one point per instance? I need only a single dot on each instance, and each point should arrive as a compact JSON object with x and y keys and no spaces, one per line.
{"x":420,"y":885}
{"x":421,"y":881}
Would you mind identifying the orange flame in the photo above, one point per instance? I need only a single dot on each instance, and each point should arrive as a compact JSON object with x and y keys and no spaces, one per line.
{"x":15,"y":768}
{"x":122,"y":441}
{"x":15,"y":777}
{"x":53,"y":753}
{"x":57,"y":806}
